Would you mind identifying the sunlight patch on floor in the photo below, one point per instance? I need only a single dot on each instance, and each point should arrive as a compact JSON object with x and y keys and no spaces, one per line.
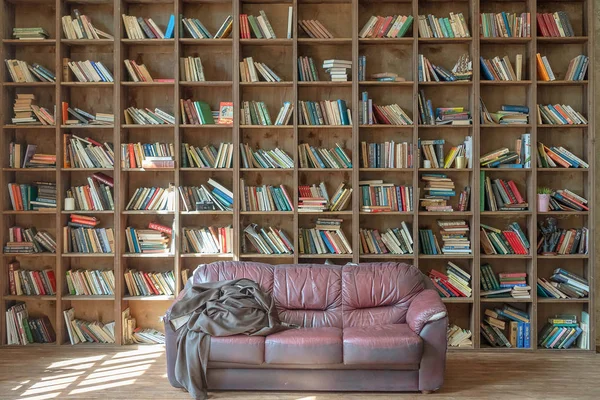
{"x":102,"y":387}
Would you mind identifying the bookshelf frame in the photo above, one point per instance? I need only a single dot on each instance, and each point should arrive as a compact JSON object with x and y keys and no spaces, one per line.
{"x":163,"y":55}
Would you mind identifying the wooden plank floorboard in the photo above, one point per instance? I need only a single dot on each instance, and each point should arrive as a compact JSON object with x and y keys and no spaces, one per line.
{"x":140,"y":374}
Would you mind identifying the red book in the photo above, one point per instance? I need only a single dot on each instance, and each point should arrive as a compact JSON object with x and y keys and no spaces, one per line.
{"x":39,"y":283}
{"x":453,"y":289}
{"x":88,"y":197}
{"x":551,"y":24}
{"x":439,"y":288}
{"x":574,"y":200}
{"x":151,"y":199}
{"x":438,"y":274}
{"x":541,"y":23}
{"x":513,"y":275}
{"x":515,"y":242}
{"x":103,"y":178}
{"x":52,"y":280}
{"x":92,"y":141}
{"x":131,"y":155}
{"x":380,"y":116}
{"x":161,"y":228}
{"x":12,"y":267}
{"x":150,"y":284}
{"x":83,"y":218}
{"x":513,"y":188}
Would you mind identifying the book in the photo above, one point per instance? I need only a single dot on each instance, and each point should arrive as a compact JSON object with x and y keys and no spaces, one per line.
{"x":337,"y":69}
{"x":557,"y":157}
{"x":132,"y":334}
{"x":327,"y":112}
{"x":506,"y":327}
{"x":315,"y":157}
{"x":81,"y":331}
{"x":147,"y":155}
{"x":97,"y":195}
{"x":29,"y":240}
{"x":146,"y":116}
{"x":500,"y":69}
{"x":314,"y":29}
{"x":505,"y":24}
{"x":257,"y":27}
{"x":208,"y":156}
{"x":566,"y":200}
{"x":152,"y":199}
{"x":79,"y":26}
{"x":555,"y":24}
{"x":555,"y":240}
{"x":196,"y":30}
{"x":577,"y":68}
{"x":430,"y":72}
{"x":208,"y":240}
{"x":28,"y":113}
{"x":90,"y":282}
{"x":307,"y":70}
{"x":544,"y":70}
{"x":88,"y":71}
{"x":327,"y":237}
{"x":559,"y":114}
{"x":315,"y":198}
{"x":267,"y":240}
{"x":391,"y":241}
{"x":26,"y":282}
{"x":31,"y":33}
{"x":459,"y":337}
{"x":23,"y":329}
{"x":265,"y":198}
{"x":386,"y":27}
{"x":373,"y":114}
{"x":141,"y":283}
{"x":502,"y":195}
{"x":201,"y":198}
{"x":386,"y":155}
{"x":442,"y":115}
{"x":253,"y":71}
{"x":454,"y":26}
{"x":502,"y":285}
{"x":87,"y":153}
{"x":147,"y":241}
{"x":378,"y":196}
{"x":512,"y":240}
{"x":265,"y":158}
{"x":145,"y":28}
{"x":79,"y":237}
{"x":21,"y":71}
{"x":137,"y":72}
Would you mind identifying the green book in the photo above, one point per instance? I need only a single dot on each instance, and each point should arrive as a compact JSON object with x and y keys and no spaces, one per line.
{"x":265,"y":113}
{"x":27,"y":329}
{"x":184,"y":156}
{"x":205,"y":113}
{"x":255,"y":27}
{"x":407,"y":24}
{"x":482,"y":191}
{"x":448,"y":27}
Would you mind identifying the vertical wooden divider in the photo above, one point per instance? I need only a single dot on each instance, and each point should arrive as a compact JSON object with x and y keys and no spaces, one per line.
{"x":355,"y":138}
{"x":295,"y":121}
{"x":238,"y":231}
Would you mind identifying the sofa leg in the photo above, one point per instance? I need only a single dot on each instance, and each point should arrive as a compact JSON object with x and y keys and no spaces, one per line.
{"x":426,"y":391}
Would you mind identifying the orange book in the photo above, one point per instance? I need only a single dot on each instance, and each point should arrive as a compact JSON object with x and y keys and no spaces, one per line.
{"x":542,"y":73}
{"x":563,"y":113}
{"x":556,"y":157}
{"x":65,"y":112}
{"x":131,"y":155}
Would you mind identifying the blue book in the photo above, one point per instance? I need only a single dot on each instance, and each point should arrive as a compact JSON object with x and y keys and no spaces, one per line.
{"x":327,"y":243}
{"x":223,"y":195}
{"x":170,"y":27}
{"x":136,"y":245}
{"x":513,"y":108}
{"x":510,"y":166}
{"x":432,"y":242}
{"x":430,"y":112}
{"x":557,"y":114}
{"x":98,"y":71}
{"x":527,"y":335}
{"x":484,"y":68}
{"x":568,"y":159}
{"x":506,"y":24}
{"x":343,"y":112}
{"x":520,"y":335}
{"x":573,"y":338}
{"x":147,"y":199}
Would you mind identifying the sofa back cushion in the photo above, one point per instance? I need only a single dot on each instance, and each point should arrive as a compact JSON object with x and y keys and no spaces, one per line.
{"x":230,"y":270}
{"x":309,"y":295}
{"x":378,"y":293}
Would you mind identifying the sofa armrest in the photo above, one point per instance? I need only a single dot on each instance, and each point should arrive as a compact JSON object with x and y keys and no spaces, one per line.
{"x":426,"y":307}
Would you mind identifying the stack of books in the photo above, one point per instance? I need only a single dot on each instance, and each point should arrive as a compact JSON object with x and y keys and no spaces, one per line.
{"x":87,"y":153}
{"x":27,"y":113}
{"x":31,"y":158}
{"x":195,"y":198}
{"x":22,"y":71}
{"x":307,"y":71}
{"x":258,"y":27}
{"x":501,"y":69}
{"x":261,"y":158}
{"x":134,"y":334}
{"x":453,"y":27}
{"x":252,"y":71}
{"x":316,"y":199}
{"x":437,"y":187}
{"x":156,"y":239}
{"x":24,"y":282}
{"x":36,"y":196}
{"x":563,"y":241}
{"x":544,"y":70}
{"x":80,"y":236}
{"x":392,"y":241}
{"x":152,"y":199}
{"x":81,"y":331}
{"x":82,"y":117}
{"x":566,"y":200}
{"x":459,"y":337}
{"x":140,"y":283}
{"x":36,"y":33}
{"x":563,"y":285}
{"x":502,"y":158}
{"x":191,"y":69}
{"x":386,"y":155}
{"x":378,"y":196}
{"x":146,"y":28}
{"x":211,"y":240}
{"x":207,"y":157}
{"x":429,"y":72}
{"x":507,"y":327}
{"x":386,"y":27}
{"x":554,"y":24}
{"x":454,"y":283}
{"x":138,"y":116}
{"x":29,"y":240}
{"x":373,"y":114}
{"x":337,"y":69}
{"x":559,"y":114}
{"x":80,"y":26}
{"x":561,"y":332}
{"x":327,"y":112}
{"x":505,"y":24}
{"x":508,"y":115}
{"x":196,"y":30}
{"x":577,"y":68}
{"x":265,"y":198}
{"x":267,"y":240}
{"x":501,"y":195}
{"x":327,"y":237}
{"x":510,"y":241}
{"x":442,"y":115}
{"x":314,"y":29}
{"x":147,"y":155}
{"x":91,"y":282}
{"x":87,"y":71}
{"x":558,"y":157}
{"x":455,"y":236}
{"x":196,"y":113}
{"x":21,"y":329}
{"x":513,"y":284}
{"x":95,"y":196}
{"x":319,"y":157}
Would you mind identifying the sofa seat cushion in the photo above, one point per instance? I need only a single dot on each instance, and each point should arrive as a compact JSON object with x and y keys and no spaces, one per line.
{"x":242,"y":349}
{"x":305,"y":346}
{"x":382,"y":344}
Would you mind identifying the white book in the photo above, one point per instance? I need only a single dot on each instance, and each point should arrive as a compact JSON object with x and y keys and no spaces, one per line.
{"x":290,"y":18}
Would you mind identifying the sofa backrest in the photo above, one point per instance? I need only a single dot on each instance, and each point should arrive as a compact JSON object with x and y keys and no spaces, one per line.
{"x":316,"y":295}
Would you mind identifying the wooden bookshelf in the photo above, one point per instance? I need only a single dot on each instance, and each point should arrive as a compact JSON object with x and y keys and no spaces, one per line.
{"x":221,"y":62}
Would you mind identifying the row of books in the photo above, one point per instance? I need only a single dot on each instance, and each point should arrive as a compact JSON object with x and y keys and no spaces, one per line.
{"x":327,"y":112}
{"x":79,"y":26}
{"x":257,"y":113}
{"x":386,"y":27}
{"x":208,"y":240}
{"x":505,"y":24}
{"x":265,"y":198}
{"x":567,"y":200}
{"x":87,"y":240}
{"x":146,"y":28}
{"x":28,"y":113}
{"x":134,"y":334}
{"x":554,"y":24}
{"x":191,"y":69}
{"x":386,"y":155}
{"x":259,"y":27}
{"x":252,"y":71}
{"x":433,"y":151}
{"x":559,"y":114}
{"x":378,"y":196}
{"x":454,"y":283}
{"x":152,"y":198}
{"x":506,"y":327}
{"x":22,"y":282}
{"x":557,"y":157}
{"x":512,"y":240}
{"x":505,"y":158}
{"x":95,"y":196}
{"x":459,"y":337}
{"x":437,"y":187}
{"x":430,"y":72}
{"x":307,"y":71}
{"x":556,"y":240}
{"x":21,"y":329}
{"x":88,"y":71}
{"x":22,"y":71}
{"x":29,"y":240}
{"x":502,"y":195}
{"x":373,"y":114}
{"x":140,"y":283}
{"x":327,"y":237}
{"x":139,"y":116}
{"x":501,"y":69}
{"x":36,"y":196}
{"x":315,"y":198}
{"x":196,"y":30}
{"x":454,"y":26}
{"x":575,"y":71}
{"x":320,"y":157}
{"x":200,"y":198}
{"x":561,"y":332}
{"x":506,"y":284}
{"x":314,"y":29}
{"x":267,"y":240}
{"x":509,"y":114}
{"x":392,"y":241}
{"x":196,"y":113}
{"x":90,"y":282}
{"x":81,"y":331}
{"x":82,"y":117}
{"x":261,"y":158}
{"x":155,"y":239}
{"x":33,"y":33}
{"x":138,"y":72}
{"x":147,"y":155}
{"x":208,"y":156}
{"x":563,"y":285}
{"x":87,"y":153}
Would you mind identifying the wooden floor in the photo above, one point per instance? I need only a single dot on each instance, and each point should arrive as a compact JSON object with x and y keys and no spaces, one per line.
{"x":132,"y":374}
